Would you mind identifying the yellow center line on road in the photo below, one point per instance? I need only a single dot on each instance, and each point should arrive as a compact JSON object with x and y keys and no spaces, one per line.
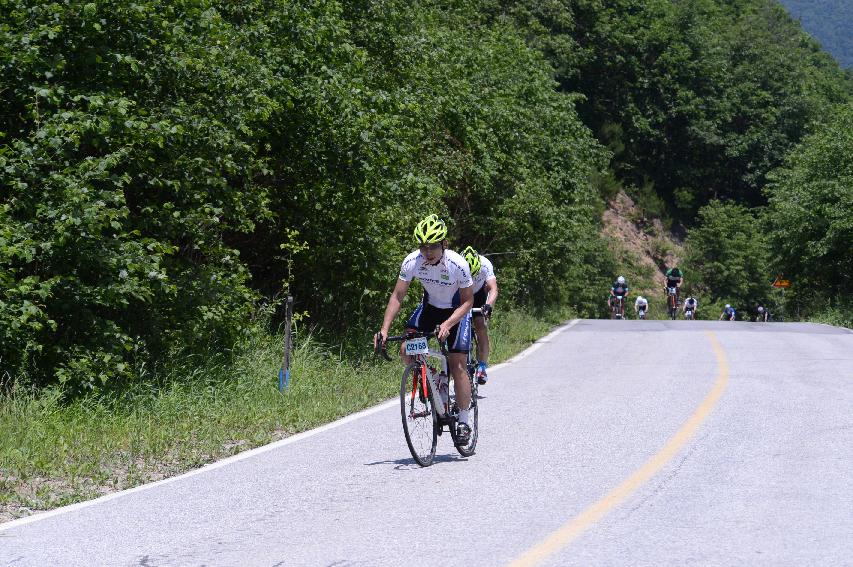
{"x":577,"y":525}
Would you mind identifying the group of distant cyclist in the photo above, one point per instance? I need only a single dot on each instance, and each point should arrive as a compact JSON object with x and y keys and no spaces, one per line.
{"x":453,"y":285}
{"x":673,"y":280}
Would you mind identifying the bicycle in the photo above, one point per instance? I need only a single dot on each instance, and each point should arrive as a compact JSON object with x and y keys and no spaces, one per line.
{"x":672,"y":302}
{"x":641,"y":313}
{"x":617,"y":307}
{"x":427,"y":406}
{"x":689,"y":314}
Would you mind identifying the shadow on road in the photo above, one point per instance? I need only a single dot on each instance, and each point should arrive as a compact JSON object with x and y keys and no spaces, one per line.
{"x":407,"y":464}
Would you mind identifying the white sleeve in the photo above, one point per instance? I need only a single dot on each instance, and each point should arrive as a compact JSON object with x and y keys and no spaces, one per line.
{"x":487,"y":268}
{"x":464,"y":278}
{"x":407,"y":270}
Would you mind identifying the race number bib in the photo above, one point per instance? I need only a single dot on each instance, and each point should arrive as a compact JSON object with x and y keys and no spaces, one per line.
{"x":417,"y":346}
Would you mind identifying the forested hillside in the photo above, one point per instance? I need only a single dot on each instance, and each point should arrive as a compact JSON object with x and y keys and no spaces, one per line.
{"x":171,"y":169}
{"x":830,"y":22}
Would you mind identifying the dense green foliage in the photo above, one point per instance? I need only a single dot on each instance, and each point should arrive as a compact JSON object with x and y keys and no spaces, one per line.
{"x":728,"y":255}
{"x":127,"y":155}
{"x":830,"y":22}
{"x":167,"y":164}
{"x":810,"y":216}
{"x":698,"y":99}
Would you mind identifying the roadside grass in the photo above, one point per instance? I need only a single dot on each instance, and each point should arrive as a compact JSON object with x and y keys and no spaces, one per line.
{"x":833,"y":316}
{"x":54,"y":453}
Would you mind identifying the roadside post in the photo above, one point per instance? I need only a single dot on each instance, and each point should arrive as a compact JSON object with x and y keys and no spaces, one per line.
{"x":284,"y":371}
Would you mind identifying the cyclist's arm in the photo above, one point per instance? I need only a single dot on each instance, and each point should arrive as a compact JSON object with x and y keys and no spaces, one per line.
{"x":491,"y":286}
{"x":395,"y":302}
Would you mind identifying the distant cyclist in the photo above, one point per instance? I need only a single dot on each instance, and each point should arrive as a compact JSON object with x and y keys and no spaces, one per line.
{"x":691,"y":306}
{"x":728,"y":313}
{"x":641,"y":305}
{"x":447,"y":301}
{"x":619,"y":289}
{"x":674,"y":278}
{"x":485,"y":295}
{"x":763,"y":315}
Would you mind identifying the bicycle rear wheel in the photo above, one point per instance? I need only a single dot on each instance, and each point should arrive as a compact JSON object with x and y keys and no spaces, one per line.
{"x":419,"y":420}
{"x":467,"y":449}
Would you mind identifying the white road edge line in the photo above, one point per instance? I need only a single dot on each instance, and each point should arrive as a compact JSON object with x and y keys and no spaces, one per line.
{"x":834,"y":326}
{"x":263,"y":449}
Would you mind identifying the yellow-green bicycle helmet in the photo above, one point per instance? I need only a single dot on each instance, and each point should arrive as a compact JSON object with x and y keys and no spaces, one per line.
{"x":430,"y":230}
{"x":473,"y":258}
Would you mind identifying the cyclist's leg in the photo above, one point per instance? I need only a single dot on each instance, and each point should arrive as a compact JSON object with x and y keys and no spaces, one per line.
{"x":458,"y":369}
{"x":458,"y":345}
{"x":480,"y":326}
{"x":482,"y":339}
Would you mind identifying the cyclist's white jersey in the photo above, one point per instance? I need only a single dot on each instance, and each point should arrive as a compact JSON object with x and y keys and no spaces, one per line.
{"x":641,"y":303}
{"x":694,"y":306}
{"x":442,"y":281}
{"x":487,"y":272}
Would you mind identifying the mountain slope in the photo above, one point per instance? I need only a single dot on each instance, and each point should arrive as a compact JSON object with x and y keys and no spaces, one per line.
{"x":830,"y":22}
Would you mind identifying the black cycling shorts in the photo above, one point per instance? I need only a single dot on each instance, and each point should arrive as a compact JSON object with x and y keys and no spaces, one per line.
{"x":427,"y":317}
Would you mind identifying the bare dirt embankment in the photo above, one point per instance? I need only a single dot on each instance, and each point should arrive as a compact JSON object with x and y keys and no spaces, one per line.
{"x":644,"y":249}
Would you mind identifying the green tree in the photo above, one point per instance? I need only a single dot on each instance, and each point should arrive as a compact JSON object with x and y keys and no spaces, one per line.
{"x":127,"y":156}
{"x":728,"y":256}
{"x":809,"y":215}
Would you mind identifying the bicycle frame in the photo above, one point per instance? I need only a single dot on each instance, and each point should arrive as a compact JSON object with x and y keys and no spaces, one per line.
{"x":618,"y":306}
{"x":441,"y":406}
{"x":672,"y":295}
{"x":672,"y":301}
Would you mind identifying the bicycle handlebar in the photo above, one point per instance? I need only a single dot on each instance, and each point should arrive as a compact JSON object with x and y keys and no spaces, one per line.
{"x":380,"y":345}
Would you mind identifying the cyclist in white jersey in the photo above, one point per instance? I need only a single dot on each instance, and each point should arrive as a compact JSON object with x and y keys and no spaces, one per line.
{"x":690,"y":304}
{"x":641,"y":306}
{"x":485,"y":295}
{"x":447,"y":302}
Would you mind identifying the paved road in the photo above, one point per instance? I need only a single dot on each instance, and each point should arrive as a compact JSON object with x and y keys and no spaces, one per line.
{"x":765,"y":478}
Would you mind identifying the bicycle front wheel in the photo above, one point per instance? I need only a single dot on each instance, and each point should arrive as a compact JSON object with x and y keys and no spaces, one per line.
{"x":419,"y":419}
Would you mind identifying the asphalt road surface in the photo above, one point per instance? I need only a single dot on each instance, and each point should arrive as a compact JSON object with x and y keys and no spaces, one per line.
{"x":614,"y":443}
